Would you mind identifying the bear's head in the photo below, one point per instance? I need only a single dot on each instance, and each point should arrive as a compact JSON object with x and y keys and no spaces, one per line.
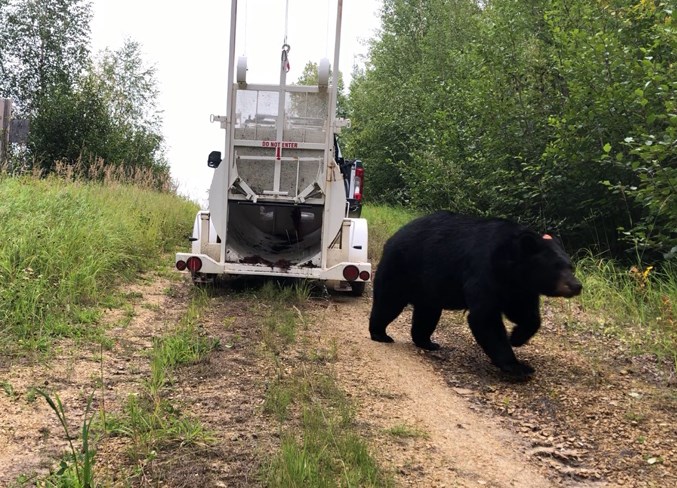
{"x":540,"y":264}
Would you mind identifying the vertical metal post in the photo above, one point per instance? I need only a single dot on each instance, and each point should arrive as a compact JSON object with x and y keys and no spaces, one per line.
{"x":331,"y":130}
{"x":277,"y":172}
{"x":5,"y":116}
{"x":335,"y":69}
{"x":231,"y":71}
{"x":204,"y":232}
{"x":230,"y":107}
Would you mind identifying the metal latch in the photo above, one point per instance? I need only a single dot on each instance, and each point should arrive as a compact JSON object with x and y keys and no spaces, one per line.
{"x":223,"y":119}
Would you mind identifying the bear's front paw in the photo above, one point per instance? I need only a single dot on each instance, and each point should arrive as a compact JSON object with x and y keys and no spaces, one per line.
{"x":517,"y":339}
{"x":518,"y":371}
{"x":523,"y":332}
{"x":381,"y":337}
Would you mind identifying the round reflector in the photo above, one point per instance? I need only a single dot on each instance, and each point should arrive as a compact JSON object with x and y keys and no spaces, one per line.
{"x":350,"y":272}
{"x":194,"y":264}
{"x":180,"y":265}
{"x":364,"y":275}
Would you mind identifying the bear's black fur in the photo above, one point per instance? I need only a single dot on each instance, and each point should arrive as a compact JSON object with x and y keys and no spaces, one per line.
{"x":491,"y":267}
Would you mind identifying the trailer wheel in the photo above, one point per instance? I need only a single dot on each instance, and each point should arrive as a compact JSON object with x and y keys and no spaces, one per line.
{"x":201,"y":280}
{"x":357,"y":288}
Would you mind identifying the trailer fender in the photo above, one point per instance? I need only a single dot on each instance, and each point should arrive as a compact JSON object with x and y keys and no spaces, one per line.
{"x":204,"y":238}
{"x":359,"y":241}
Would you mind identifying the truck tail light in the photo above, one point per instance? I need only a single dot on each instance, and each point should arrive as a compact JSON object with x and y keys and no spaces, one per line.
{"x":180,"y":265}
{"x":194,"y":264}
{"x":364,"y":275}
{"x":351,"y":273}
{"x":359,"y":184}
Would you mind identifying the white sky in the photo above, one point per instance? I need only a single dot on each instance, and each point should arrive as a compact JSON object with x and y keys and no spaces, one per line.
{"x":187,"y":42}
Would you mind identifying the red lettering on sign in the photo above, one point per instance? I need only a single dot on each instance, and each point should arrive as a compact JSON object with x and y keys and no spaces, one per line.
{"x":282,"y":144}
{"x":279,"y":145}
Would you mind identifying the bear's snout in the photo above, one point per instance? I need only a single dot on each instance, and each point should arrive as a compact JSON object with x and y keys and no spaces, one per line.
{"x":568,"y":286}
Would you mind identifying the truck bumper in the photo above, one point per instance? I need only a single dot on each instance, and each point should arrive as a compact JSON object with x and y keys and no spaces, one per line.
{"x":209,"y":266}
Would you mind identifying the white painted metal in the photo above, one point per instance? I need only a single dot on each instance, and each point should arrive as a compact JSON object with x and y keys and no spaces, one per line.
{"x":323,"y":73}
{"x":333,"y":171}
{"x":334,"y":273}
{"x":242,"y":71}
{"x":217,"y":196}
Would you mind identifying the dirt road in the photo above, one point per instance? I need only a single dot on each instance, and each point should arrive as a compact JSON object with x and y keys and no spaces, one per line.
{"x":600,"y":420}
{"x":394,"y":386}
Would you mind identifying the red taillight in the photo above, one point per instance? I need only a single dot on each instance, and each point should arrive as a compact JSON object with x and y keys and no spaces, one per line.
{"x":359,"y":183}
{"x":180,"y":265}
{"x":350,"y":272}
{"x":194,"y":264}
{"x":364,"y":275}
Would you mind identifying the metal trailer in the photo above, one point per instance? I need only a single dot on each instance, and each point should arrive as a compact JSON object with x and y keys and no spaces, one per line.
{"x":277,"y":203}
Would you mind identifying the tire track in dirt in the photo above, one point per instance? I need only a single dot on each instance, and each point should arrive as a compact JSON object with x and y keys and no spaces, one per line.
{"x":392,"y":386}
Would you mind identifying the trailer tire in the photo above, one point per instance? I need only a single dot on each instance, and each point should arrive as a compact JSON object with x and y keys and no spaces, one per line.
{"x":357,"y":288}
{"x":200,"y":281}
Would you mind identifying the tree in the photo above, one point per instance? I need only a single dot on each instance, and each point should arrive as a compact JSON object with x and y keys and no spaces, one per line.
{"x":70,"y":124}
{"x":110,"y":113}
{"x":410,"y":101}
{"x":559,"y":114}
{"x":615,"y":130}
{"x":80,"y":109}
{"x":44,"y":45}
{"x":129,"y":88}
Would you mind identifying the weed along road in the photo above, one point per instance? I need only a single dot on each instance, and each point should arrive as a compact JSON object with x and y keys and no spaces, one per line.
{"x":259,"y":384}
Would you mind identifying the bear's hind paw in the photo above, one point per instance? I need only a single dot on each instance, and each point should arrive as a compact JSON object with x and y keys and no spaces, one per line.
{"x":381,"y":337}
{"x":428,"y":346}
{"x":518,"y":338}
{"x":518,"y":371}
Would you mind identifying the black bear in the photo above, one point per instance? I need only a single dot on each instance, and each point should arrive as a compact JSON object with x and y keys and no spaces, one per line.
{"x":490,"y":267}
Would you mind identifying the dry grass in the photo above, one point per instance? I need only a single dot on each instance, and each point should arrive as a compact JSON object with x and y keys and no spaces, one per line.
{"x":157,"y":178}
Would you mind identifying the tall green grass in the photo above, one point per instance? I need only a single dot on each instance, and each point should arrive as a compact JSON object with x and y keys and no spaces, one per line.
{"x":64,"y":245}
{"x":634,"y":303}
{"x":383,"y":222}
{"x":76,"y":469}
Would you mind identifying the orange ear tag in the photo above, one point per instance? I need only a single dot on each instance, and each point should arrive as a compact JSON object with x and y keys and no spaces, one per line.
{"x":547,"y":237}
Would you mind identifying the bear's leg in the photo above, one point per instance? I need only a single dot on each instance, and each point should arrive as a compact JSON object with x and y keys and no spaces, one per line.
{"x":423,"y":324}
{"x":382,"y":313}
{"x":527,"y":320}
{"x":490,"y":334}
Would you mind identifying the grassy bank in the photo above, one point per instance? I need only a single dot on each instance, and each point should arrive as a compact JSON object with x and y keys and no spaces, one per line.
{"x":383,"y":222}
{"x":636,"y":304}
{"x":64,"y":245}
